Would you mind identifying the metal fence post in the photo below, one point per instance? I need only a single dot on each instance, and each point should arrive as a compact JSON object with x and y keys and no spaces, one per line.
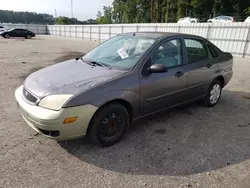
{"x":246,"y":43}
{"x":90,"y":32}
{"x":156,"y":28}
{"x":99,"y":33}
{"x":179,"y":28}
{"x":109,"y":31}
{"x":76,"y":30}
{"x":69,"y":31}
{"x":37,"y":29}
{"x":137,"y":28}
{"x":208,"y":29}
{"x":82,"y":32}
{"x":122,"y":29}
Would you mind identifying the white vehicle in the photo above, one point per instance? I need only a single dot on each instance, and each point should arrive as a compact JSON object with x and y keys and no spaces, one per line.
{"x":3,"y":28}
{"x":247,"y":19}
{"x":224,"y":19}
{"x":195,"y":20}
{"x":188,"y":20}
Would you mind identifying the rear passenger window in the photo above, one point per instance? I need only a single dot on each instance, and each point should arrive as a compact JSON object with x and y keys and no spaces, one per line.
{"x":196,"y":50}
{"x":212,"y":51}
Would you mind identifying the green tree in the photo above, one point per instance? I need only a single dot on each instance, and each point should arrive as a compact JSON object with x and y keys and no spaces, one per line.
{"x":158,"y":11}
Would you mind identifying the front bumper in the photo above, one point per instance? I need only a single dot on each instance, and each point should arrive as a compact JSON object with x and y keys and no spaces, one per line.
{"x":50,"y":123}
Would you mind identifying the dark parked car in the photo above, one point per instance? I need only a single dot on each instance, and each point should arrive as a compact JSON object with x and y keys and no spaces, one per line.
{"x":18,"y":33}
{"x":125,"y":78}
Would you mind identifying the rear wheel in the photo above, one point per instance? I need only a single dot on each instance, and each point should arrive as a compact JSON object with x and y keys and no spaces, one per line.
{"x":213,"y":94}
{"x":7,"y":36}
{"x":109,"y":125}
{"x":28,"y":36}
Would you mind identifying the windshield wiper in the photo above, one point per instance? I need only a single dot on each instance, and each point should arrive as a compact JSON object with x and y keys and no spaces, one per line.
{"x":83,"y":61}
{"x":100,"y":64}
{"x":94,"y":63}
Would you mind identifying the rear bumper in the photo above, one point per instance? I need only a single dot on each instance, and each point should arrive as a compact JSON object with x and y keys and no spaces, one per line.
{"x":50,"y":123}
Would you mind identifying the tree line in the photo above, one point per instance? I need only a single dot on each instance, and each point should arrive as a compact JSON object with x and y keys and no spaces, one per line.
{"x":7,"y":16}
{"x":162,"y":11}
{"x":62,"y":20}
{"x":141,"y":11}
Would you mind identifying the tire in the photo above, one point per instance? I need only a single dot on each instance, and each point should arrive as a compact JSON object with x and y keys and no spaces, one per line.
{"x":111,"y":118}
{"x":28,"y":37}
{"x":7,"y":36}
{"x":214,"y":93}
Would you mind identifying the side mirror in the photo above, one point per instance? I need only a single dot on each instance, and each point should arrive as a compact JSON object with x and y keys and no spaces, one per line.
{"x":158,"y":68}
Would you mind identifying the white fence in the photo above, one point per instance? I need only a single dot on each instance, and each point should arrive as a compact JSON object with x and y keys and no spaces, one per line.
{"x":37,"y":29}
{"x":230,"y":37}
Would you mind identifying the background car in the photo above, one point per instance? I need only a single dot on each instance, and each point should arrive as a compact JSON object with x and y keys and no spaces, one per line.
{"x":18,"y":33}
{"x":195,"y":20}
{"x":188,"y":20}
{"x":247,"y":19}
{"x":3,"y":28}
{"x":221,"y":19}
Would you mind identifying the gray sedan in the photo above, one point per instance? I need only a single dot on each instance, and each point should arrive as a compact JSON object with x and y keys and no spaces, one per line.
{"x":128,"y":77}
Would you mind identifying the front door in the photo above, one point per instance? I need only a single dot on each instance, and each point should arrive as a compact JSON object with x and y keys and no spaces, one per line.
{"x":162,"y":90}
{"x":200,"y":69}
{"x":14,"y":33}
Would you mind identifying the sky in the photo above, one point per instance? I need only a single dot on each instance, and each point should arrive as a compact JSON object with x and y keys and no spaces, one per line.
{"x":82,"y":9}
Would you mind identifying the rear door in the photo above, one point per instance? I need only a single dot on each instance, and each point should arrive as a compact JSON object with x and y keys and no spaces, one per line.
{"x":22,"y":33}
{"x":200,"y":67}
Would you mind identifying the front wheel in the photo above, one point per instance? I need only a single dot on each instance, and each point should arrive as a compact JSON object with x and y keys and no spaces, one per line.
{"x":109,"y":125}
{"x":214,"y":94}
{"x":7,"y":36}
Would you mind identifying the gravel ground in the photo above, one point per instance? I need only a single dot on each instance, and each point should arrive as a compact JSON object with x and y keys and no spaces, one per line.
{"x":191,"y":146}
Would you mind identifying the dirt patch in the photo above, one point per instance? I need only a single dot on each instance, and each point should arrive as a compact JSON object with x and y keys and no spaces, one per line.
{"x":160,"y":131}
{"x":19,"y":39}
{"x":68,"y":56}
{"x":246,"y":97}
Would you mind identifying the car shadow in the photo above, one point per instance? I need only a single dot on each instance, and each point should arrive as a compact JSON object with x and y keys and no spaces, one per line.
{"x":187,"y":140}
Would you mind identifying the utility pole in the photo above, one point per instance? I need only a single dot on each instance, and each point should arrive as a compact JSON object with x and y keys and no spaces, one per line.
{"x":71,"y":8}
{"x":55,"y":16}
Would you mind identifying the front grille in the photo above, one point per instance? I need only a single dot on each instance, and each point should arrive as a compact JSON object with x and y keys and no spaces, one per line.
{"x":29,"y":97}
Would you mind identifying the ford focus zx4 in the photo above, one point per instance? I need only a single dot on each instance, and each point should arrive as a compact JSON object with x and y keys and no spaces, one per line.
{"x":125,"y":78}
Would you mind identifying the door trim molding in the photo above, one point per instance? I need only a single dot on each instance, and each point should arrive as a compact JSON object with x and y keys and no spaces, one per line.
{"x":165,"y":95}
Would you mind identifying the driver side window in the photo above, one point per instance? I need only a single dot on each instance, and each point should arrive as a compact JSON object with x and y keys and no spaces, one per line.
{"x":168,"y":54}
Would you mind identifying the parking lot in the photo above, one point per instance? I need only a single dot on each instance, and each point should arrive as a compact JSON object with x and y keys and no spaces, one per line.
{"x":191,"y":146}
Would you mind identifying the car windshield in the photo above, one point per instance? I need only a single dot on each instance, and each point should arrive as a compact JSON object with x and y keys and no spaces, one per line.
{"x":120,"y":52}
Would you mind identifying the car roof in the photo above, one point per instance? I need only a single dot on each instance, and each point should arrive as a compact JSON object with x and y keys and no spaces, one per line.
{"x":20,"y":28}
{"x":224,"y":16}
{"x":158,"y":35}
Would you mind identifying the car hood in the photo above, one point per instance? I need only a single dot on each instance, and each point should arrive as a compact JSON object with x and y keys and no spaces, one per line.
{"x":67,"y":77}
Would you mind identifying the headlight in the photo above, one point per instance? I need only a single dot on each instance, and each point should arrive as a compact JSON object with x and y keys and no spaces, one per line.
{"x":54,"y":102}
